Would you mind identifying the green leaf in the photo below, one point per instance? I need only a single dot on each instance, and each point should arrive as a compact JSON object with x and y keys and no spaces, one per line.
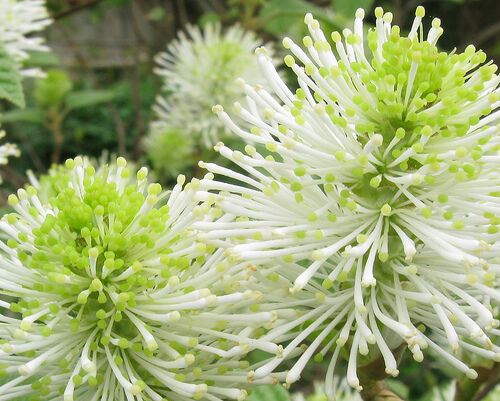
{"x":286,"y":17}
{"x":399,"y":387}
{"x":157,"y":14}
{"x":29,"y":115}
{"x":85,"y":98}
{"x":349,"y":7}
{"x":10,"y":79}
{"x":269,"y":393}
{"x":208,"y":18}
{"x":42,"y":59}
{"x":281,"y":15}
{"x":51,"y":90}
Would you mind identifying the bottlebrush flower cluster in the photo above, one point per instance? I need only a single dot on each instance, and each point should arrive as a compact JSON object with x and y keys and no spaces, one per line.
{"x":376,"y":184}
{"x":108,"y":295}
{"x":198,"y":70}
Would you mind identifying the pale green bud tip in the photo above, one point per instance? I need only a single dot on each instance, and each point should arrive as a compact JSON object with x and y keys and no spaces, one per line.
{"x":217,"y":109}
{"x":154,"y":189}
{"x":336,"y":37}
{"x":287,"y":43}
{"x":471,"y":374}
{"x":70,"y":164}
{"x":142,"y":174}
{"x":121,"y":162}
{"x":420,"y":12}
{"x":13,"y":200}
{"x":317,"y":254}
{"x":261,"y":50}
{"x":386,"y":210}
{"x":308,"y":42}
{"x":94,"y":253}
{"x":189,"y":359}
{"x":289,"y":61}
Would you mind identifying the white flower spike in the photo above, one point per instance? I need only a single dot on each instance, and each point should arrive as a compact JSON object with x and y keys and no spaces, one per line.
{"x":199,"y":69}
{"x":377,"y":185}
{"x":18,"y":19}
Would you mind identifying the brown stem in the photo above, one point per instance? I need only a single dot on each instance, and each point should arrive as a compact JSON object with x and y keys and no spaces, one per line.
{"x":136,"y":94}
{"x":181,"y":12}
{"x":379,"y":390}
{"x":55,"y":126}
{"x":75,"y":9}
{"x":10,"y":175}
{"x":475,"y":390}
{"x":487,"y":33}
{"x":217,"y":6}
{"x":486,"y":389}
{"x":372,"y":378}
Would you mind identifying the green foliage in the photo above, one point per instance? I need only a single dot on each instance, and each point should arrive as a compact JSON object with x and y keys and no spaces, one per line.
{"x":286,"y":17}
{"x":85,"y":98}
{"x":10,"y":79}
{"x":399,"y":387}
{"x":208,"y":18}
{"x":51,"y":90}
{"x":349,"y":7}
{"x":269,"y":393}
{"x":42,"y":60}
{"x":157,"y":14}
{"x":30,"y":115}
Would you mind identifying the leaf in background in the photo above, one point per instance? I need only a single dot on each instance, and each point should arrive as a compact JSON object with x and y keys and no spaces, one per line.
{"x":42,"y":59}
{"x":269,"y":393}
{"x":51,"y":90}
{"x":29,"y":115}
{"x":10,"y":79}
{"x":91,"y":97}
{"x":156,"y":14}
{"x":208,"y":18}
{"x":348,"y":7}
{"x":282,"y":16}
{"x":399,"y":387}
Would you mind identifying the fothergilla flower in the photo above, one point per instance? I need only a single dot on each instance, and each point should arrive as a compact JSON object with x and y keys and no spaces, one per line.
{"x":107,"y":294}
{"x":378,"y":179}
{"x":198,"y":70}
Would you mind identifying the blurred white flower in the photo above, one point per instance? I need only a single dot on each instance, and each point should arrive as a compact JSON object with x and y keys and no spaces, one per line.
{"x":18,"y":20}
{"x":7,"y":150}
{"x":200,"y":69}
